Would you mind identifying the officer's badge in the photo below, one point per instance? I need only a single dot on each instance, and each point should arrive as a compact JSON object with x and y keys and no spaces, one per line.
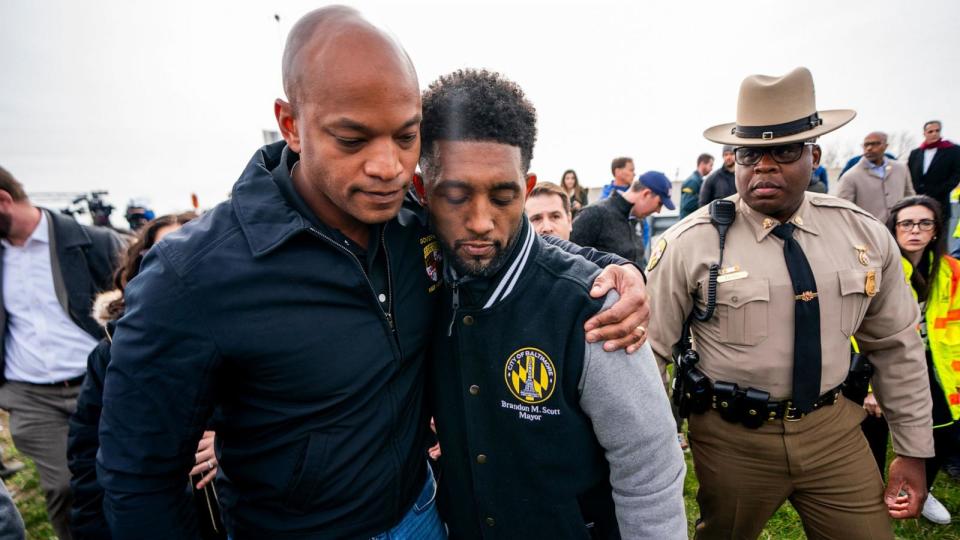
{"x":870,"y":286}
{"x":432,"y":259}
{"x":862,"y":255}
{"x":657,"y":253}
{"x":530,"y":375}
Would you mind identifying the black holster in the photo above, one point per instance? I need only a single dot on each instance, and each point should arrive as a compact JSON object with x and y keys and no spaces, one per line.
{"x":691,"y":388}
{"x":857,"y":384}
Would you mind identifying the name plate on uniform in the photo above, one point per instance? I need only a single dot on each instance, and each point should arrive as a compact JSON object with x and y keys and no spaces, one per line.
{"x":731,"y":273}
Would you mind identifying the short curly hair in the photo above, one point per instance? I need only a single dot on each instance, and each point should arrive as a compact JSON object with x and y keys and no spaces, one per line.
{"x":477,"y":105}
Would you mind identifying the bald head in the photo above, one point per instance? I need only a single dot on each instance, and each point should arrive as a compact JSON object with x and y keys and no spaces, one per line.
{"x":326,"y":41}
{"x":874,"y":146}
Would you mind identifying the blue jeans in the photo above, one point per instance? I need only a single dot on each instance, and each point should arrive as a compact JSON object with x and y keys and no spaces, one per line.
{"x":422,"y":521}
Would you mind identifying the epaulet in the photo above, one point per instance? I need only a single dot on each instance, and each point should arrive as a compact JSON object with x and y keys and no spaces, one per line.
{"x":700,"y":217}
{"x":829,"y":201}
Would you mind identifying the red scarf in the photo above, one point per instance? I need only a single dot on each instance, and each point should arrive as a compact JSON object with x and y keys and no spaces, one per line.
{"x":940,"y":143}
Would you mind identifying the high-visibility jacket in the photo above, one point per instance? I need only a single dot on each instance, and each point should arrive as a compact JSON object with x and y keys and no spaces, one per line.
{"x":943,"y":329}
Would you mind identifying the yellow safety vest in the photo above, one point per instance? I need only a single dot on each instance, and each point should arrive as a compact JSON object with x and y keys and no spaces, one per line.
{"x":943,"y":328}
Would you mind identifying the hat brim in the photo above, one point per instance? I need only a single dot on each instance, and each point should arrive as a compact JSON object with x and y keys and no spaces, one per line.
{"x":832,"y":119}
{"x":668,"y":202}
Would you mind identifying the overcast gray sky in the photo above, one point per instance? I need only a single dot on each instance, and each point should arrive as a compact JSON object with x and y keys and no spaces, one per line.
{"x":161,"y":99}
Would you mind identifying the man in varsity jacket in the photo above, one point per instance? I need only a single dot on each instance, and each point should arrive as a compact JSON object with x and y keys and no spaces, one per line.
{"x":541,"y":433}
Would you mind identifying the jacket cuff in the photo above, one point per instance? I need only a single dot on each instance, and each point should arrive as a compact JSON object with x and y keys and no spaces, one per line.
{"x":912,"y":441}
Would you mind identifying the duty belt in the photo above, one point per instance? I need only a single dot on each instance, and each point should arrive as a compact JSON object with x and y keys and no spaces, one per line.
{"x":753,"y":407}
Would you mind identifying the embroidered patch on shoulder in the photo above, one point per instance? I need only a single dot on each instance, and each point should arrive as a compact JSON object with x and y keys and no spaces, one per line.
{"x":530,"y":375}
{"x":432,"y":260}
{"x":657,"y":253}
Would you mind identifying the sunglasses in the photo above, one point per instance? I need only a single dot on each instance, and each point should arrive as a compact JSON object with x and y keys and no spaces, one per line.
{"x":784,"y":153}
{"x":907,"y":225}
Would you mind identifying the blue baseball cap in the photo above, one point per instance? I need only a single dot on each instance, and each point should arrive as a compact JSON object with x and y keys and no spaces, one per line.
{"x":658,"y":183}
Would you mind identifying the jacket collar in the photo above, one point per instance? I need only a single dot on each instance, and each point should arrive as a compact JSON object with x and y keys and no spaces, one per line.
{"x":504,"y":282}
{"x":264,"y":215}
{"x":65,"y":231}
{"x":762,"y":224}
{"x":620,"y":204}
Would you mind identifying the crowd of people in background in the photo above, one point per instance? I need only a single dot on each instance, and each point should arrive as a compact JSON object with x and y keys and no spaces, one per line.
{"x":126,"y":448}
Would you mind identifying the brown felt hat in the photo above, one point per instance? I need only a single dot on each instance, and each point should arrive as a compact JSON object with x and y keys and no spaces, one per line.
{"x":778,"y":110}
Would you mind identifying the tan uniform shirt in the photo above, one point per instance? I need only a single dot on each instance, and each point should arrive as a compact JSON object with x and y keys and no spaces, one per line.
{"x":749,"y":340}
{"x":861,"y":186}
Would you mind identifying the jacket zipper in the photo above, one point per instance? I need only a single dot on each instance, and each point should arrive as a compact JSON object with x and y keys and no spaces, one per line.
{"x":455,"y":287}
{"x":389,"y":311}
{"x":390,"y":322}
{"x":386,"y":312}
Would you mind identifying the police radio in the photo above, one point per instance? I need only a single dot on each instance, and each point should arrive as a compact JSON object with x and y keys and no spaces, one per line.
{"x":690,"y":386}
{"x":722,"y":214}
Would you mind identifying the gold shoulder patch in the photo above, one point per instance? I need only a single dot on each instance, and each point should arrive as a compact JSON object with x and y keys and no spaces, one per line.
{"x":657,"y":253}
{"x":686,"y":190}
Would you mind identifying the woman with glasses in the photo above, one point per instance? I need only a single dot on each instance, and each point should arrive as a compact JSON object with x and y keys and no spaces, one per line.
{"x":934,"y":278}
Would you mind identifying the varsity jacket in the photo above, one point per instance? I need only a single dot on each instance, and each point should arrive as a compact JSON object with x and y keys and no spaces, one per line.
{"x":543,"y":435}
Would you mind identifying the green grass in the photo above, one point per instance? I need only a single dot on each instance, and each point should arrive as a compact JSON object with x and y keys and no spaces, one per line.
{"x":25,"y":489}
{"x":785,"y":524}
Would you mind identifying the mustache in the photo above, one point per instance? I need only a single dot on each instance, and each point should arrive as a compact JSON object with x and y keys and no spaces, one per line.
{"x":764,"y":183}
{"x":458,"y":243}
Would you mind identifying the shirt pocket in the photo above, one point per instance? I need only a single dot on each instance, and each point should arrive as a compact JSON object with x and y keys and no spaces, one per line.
{"x":742,"y":311}
{"x":854,"y":300}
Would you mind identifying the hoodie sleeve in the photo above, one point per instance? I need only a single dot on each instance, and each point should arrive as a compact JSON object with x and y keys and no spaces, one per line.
{"x":161,"y":349}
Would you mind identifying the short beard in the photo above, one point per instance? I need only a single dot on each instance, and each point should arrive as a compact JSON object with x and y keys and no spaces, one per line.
{"x":477,"y":268}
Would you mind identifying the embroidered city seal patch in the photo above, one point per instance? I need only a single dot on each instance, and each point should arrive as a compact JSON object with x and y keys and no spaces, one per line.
{"x":530,"y":375}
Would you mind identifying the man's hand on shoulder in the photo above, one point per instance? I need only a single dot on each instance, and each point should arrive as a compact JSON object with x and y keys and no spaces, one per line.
{"x":624,"y":324}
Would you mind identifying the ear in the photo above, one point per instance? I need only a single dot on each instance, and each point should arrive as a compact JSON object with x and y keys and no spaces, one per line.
{"x":531,"y":181}
{"x":816,"y":156}
{"x":287,"y":124}
{"x":419,"y":188}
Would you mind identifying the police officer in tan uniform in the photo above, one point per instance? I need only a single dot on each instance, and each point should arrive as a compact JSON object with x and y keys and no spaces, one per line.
{"x":799,"y":274}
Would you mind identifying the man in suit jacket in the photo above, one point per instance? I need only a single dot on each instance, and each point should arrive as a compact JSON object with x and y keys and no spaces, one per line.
{"x":51,"y":267}
{"x":876,"y":183}
{"x":935,"y":166}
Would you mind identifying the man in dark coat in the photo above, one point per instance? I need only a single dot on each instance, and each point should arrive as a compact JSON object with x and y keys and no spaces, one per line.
{"x":935,"y":166}
{"x":721,"y":183}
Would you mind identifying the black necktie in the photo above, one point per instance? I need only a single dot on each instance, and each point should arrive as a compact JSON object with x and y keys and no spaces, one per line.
{"x":806,"y":322}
